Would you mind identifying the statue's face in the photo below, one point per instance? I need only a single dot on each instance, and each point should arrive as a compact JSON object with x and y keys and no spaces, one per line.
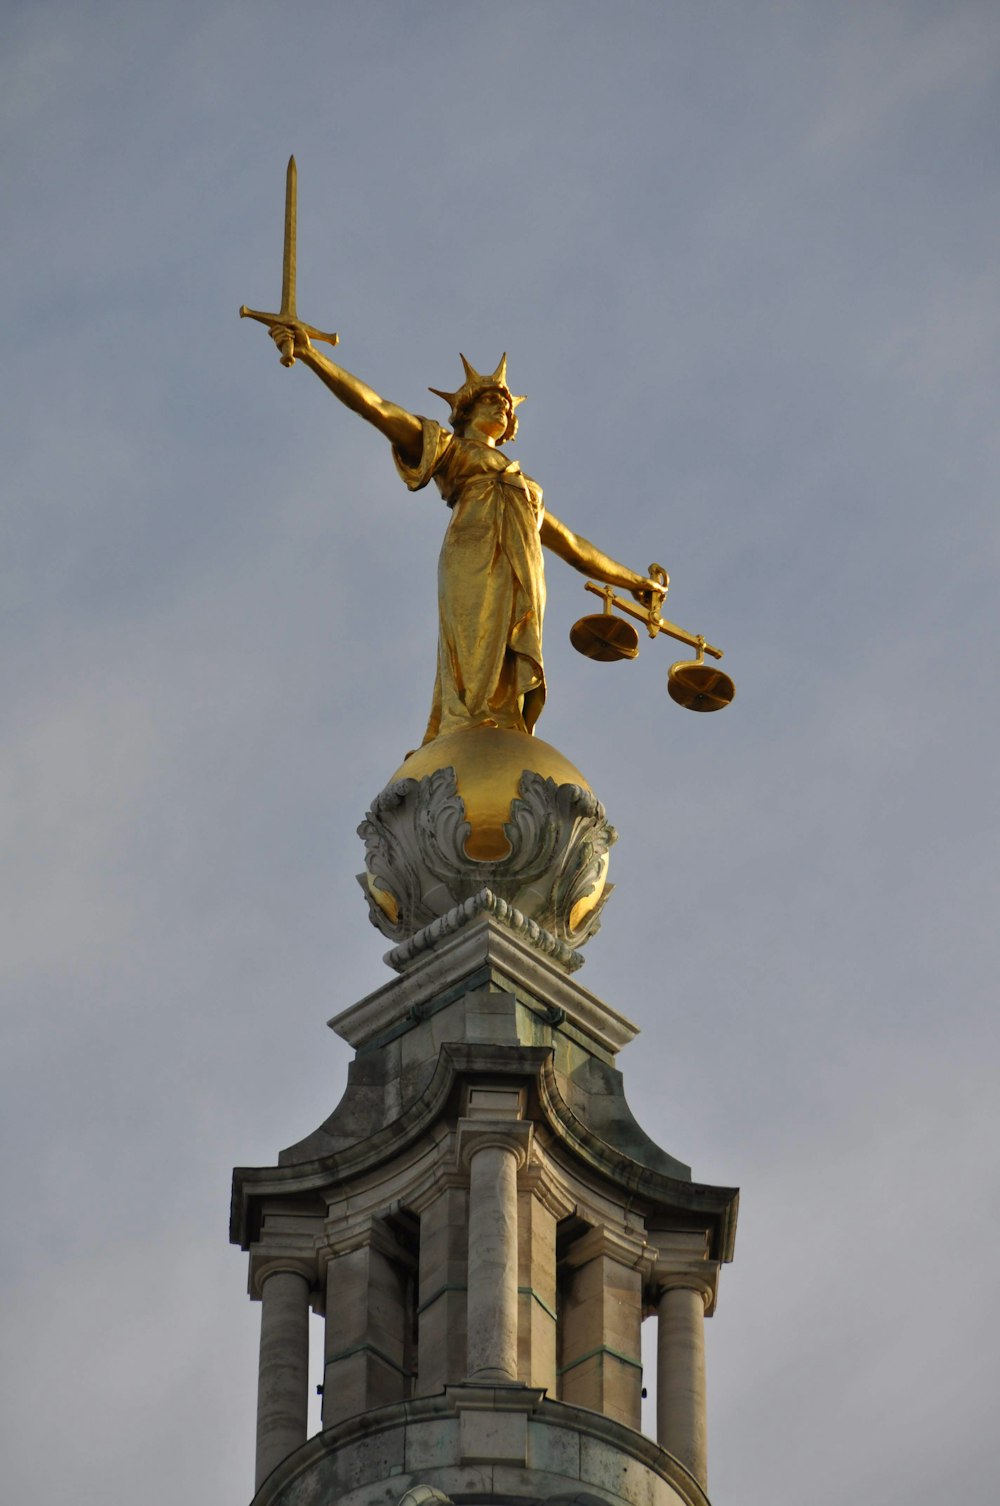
{"x":488,"y":417}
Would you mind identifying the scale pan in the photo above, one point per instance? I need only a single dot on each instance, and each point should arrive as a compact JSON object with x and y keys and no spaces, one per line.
{"x":605,"y":638}
{"x":698,"y":687}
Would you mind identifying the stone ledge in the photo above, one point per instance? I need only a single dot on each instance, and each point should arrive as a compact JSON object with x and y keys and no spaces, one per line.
{"x":481,"y":1443}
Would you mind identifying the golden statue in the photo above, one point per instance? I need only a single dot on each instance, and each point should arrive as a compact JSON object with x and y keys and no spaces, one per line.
{"x":491,"y":577}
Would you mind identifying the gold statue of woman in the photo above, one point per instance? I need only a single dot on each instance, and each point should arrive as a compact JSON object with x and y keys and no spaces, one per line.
{"x":491,"y":578}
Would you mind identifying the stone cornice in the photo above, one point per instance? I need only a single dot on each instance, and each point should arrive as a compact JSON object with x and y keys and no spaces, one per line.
{"x":716,"y":1205}
{"x":713,"y":1208}
{"x":484,"y":943}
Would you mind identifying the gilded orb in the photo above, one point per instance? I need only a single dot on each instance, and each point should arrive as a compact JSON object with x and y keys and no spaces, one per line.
{"x":488,"y":764}
{"x":487,"y":808}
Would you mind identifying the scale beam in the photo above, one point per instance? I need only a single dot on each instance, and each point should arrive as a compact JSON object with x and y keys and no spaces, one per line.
{"x":653,"y":622}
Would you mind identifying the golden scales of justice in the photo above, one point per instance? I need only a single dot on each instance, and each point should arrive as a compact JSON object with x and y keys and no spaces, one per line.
{"x":692,"y":683}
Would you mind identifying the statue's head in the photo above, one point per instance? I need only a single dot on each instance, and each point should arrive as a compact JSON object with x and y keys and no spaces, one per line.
{"x":477,"y":387}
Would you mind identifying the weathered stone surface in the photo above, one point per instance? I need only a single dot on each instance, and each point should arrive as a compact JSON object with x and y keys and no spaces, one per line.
{"x":443,"y":1292}
{"x":488,"y":1437}
{"x":538,"y":1450}
{"x":600,"y":1359}
{"x":283,"y":1373}
{"x":536,"y":1336}
{"x":366,"y":1330}
{"x":680,"y":1381}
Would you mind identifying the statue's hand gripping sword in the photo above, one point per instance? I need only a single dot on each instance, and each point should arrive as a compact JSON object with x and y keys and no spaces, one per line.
{"x":287,"y":314}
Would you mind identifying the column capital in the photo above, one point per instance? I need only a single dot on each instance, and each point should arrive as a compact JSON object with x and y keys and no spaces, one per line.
{"x":512,"y":1135}
{"x":269,"y":1262}
{"x":702,"y":1279}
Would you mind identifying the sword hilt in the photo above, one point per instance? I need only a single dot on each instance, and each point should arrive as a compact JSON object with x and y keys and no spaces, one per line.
{"x":287,"y":358}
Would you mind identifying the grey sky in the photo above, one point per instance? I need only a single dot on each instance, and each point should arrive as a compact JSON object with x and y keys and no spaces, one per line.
{"x":743,"y":259}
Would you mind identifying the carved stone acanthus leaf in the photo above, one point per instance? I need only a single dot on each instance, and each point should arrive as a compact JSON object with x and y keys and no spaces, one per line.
{"x":418,"y":870}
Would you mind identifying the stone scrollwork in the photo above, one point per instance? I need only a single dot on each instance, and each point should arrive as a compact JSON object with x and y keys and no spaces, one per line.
{"x":417,"y":868}
{"x":424,"y":1495}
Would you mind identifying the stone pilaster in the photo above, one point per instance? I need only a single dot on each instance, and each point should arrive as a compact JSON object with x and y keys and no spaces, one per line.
{"x":600,"y":1360}
{"x":367,"y":1323}
{"x":540,"y":1206}
{"x":442,"y":1296}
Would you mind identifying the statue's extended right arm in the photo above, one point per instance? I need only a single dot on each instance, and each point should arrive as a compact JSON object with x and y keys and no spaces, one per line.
{"x":401,"y":428}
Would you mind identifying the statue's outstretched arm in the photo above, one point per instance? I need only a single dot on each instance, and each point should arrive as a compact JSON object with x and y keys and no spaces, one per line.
{"x":401,"y":428}
{"x":583,"y":556}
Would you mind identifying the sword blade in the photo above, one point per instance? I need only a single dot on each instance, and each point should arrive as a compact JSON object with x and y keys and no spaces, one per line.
{"x":291,"y":229}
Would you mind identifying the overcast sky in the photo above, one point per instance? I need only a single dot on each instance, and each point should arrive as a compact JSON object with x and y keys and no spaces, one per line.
{"x":743,"y":259}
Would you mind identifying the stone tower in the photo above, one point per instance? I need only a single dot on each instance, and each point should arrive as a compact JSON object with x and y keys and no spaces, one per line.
{"x":481,"y":1222}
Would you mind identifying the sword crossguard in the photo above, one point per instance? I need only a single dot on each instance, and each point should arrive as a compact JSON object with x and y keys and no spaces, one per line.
{"x":287,"y":359}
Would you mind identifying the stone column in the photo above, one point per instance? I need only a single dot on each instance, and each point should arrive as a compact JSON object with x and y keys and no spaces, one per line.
{"x":493,"y":1153}
{"x":680,"y":1373}
{"x":283,"y":1374}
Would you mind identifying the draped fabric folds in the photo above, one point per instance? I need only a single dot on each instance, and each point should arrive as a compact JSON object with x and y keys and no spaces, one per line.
{"x":491,"y":585}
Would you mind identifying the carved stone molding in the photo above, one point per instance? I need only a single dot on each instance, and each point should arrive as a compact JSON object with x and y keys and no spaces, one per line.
{"x":541,"y":1181}
{"x":483,"y":903}
{"x":628,"y":1249}
{"x":417,"y":868}
{"x":264,"y":1264}
{"x":424,"y":1495}
{"x":513,"y":1135}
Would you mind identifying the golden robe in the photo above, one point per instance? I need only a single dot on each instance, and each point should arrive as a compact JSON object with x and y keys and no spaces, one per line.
{"x":491,"y":585}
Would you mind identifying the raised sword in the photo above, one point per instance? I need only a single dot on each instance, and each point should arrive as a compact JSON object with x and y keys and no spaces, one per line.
{"x":287,"y":314}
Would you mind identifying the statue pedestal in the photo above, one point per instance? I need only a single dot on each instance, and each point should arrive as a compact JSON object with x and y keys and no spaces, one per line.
{"x":481,"y":1201}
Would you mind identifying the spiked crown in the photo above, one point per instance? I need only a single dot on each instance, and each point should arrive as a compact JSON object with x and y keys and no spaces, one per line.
{"x":473,"y":387}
